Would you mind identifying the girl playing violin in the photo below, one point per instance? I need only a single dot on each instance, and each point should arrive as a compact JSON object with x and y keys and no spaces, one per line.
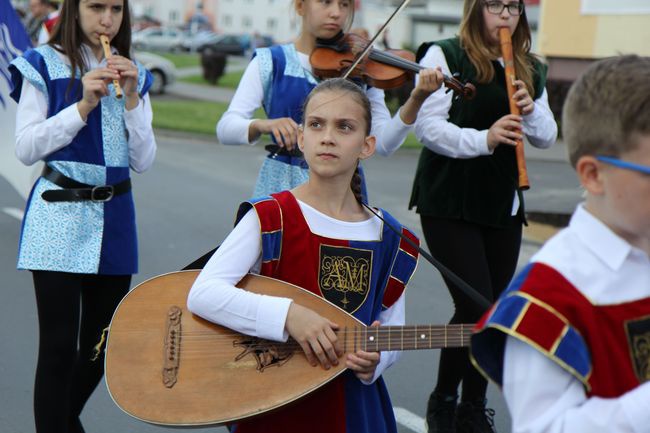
{"x":465,"y":187}
{"x":297,"y":236}
{"x":279,"y":78}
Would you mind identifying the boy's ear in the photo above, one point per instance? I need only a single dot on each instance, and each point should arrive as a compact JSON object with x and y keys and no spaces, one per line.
{"x":300,"y":7}
{"x":369,"y":147}
{"x":590,"y":174}
{"x":301,"y":138}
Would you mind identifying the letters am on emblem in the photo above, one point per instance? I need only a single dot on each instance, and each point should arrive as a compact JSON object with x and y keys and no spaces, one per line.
{"x":344,"y":276}
{"x":638,"y":336}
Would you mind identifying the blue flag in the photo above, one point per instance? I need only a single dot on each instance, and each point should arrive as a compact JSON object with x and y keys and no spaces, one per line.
{"x":13,"y":42}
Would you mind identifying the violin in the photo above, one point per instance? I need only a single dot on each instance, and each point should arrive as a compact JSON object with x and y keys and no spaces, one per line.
{"x":382,"y":69}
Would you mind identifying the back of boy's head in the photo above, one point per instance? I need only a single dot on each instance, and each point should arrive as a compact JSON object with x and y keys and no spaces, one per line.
{"x":608,"y":108}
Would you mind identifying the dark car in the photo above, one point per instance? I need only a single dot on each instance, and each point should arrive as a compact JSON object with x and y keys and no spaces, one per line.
{"x":237,"y":45}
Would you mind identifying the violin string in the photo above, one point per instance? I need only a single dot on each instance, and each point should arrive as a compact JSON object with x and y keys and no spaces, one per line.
{"x":363,"y":54}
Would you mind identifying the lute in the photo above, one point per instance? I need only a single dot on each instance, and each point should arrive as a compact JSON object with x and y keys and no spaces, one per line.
{"x":166,"y":366}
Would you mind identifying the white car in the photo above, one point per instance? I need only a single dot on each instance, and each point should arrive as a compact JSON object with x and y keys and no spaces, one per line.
{"x":158,"y":39}
{"x":163,"y":71}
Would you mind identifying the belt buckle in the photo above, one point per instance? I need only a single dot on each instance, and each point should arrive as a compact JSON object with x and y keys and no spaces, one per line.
{"x":102,"y":193}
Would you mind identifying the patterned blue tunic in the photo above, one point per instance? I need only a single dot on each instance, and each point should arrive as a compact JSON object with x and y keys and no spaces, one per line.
{"x":79,"y":237}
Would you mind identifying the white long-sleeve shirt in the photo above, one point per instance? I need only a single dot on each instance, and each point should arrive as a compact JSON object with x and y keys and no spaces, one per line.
{"x":434,"y":130}
{"x":38,"y":136}
{"x":233,"y":126}
{"x":542,"y":396}
{"x":215,"y":297}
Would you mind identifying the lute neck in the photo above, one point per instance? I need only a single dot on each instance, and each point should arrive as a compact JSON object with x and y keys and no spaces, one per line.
{"x":412,"y":337}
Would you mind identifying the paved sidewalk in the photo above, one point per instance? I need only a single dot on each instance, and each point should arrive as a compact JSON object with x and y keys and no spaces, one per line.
{"x":200,"y":92}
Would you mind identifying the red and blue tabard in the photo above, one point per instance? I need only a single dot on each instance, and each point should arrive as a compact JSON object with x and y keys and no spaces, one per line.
{"x":362,"y":278}
{"x":606,"y":347}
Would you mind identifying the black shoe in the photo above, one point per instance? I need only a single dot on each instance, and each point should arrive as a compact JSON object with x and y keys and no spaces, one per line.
{"x":474,"y":417}
{"x":441,"y":410}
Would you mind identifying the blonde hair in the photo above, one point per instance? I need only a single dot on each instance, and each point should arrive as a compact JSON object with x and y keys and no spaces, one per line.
{"x":473,"y":37}
{"x":608,"y":108}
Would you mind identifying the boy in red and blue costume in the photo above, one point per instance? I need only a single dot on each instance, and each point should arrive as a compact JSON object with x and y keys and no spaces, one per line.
{"x":569,"y":341}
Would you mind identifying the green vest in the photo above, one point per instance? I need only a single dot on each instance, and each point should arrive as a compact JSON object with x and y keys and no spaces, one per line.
{"x":478,"y":190}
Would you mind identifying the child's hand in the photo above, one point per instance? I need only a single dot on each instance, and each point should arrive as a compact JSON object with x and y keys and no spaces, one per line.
{"x":315,"y":334}
{"x":128,"y":74}
{"x":363,"y":363}
{"x":524,"y":101}
{"x":94,"y":85}
{"x":505,"y":130}
{"x":429,"y":81}
{"x":283,"y":129}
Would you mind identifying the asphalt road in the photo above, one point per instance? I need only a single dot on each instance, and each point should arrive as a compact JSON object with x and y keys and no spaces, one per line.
{"x":186,"y":204}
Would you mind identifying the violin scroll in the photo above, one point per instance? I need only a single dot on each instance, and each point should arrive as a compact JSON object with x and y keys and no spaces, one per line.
{"x":464,"y":89}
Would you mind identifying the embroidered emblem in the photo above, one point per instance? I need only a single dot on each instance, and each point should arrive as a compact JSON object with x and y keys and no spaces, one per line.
{"x":344,"y":276}
{"x":267,"y":353}
{"x":638,"y":336}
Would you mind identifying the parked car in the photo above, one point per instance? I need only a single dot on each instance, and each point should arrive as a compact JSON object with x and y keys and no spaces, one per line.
{"x":158,"y":39}
{"x":191,"y":42}
{"x":237,"y":45}
{"x":163,"y":71}
{"x":144,"y":22}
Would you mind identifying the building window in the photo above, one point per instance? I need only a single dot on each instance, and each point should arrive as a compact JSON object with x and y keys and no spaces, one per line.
{"x":173,"y":16}
{"x":271,"y":24}
{"x":246,"y":22}
{"x":227,"y":21}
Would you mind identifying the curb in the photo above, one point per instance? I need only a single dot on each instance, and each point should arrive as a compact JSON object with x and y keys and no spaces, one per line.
{"x":543,"y":225}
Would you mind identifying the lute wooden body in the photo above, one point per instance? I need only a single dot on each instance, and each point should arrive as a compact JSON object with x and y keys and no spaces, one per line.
{"x":164,"y":365}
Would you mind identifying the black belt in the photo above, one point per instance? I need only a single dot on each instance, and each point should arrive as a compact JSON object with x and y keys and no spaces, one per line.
{"x":77,"y":191}
{"x":279,"y":150}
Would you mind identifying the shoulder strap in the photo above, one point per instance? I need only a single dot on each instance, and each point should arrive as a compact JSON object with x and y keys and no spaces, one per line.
{"x":528,"y":318}
{"x":404,"y":263}
{"x":269,"y":214}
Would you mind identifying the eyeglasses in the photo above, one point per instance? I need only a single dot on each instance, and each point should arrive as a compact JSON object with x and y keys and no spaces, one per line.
{"x":624,"y":164}
{"x":496,"y":8}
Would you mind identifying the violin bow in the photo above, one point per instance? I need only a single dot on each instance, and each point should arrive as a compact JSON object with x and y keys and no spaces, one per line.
{"x":363,"y":53}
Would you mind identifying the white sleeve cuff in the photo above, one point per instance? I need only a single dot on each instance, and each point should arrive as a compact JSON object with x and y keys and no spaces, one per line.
{"x":71,"y":118}
{"x":134,"y":117}
{"x":271,"y":318}
{"x":483,"y":148}
{"x":636,"y":406}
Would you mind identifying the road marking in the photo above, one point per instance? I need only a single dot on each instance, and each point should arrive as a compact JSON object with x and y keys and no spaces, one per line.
{"x":409,"y":420}
{"x":14,"y":212}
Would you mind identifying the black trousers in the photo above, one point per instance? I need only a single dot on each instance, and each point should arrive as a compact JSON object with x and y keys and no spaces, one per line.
{"x":485,"y":258}
{"x":73,"y":309}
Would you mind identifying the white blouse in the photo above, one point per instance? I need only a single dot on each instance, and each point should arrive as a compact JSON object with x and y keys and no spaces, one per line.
{"x":215,"y":297}
{"x":232,"y":128}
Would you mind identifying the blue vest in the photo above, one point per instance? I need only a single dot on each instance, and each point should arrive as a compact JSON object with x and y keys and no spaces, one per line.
{"x":79,"y":237}
{"x":286,"y":85}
